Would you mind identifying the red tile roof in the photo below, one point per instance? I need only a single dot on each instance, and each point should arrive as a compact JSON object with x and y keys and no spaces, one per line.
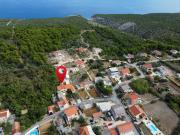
{"x":66,"y":87}
{"x":84,"y":131}
{"x":136,"y":110}
{"x":113,"y":131}
{"x":62,"y":102}
{"x":125,"y":71}
{"x":133,"y":96}
{"x":3,"y":113}
{"x":16,"y":128}
{"x":147,"y":65}
{"x":81,"y":49}
{"x":51,"y":108}
{"x":126,"y":127}
{"x":71,"y":111}
{"x":79,"y":63}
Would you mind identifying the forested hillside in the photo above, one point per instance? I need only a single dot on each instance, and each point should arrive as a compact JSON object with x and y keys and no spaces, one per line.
{"x":162,"y":27}
{"x":27,"y":80}
{"x":116,"y":43}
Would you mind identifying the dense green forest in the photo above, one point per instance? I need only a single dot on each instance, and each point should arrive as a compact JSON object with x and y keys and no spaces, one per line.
{"x":27,"y":80}
{"x":163,"y":27}
{"x":115,"y":43}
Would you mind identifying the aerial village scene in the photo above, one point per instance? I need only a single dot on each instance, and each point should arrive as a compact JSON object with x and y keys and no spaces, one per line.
{"x":109,"y":97}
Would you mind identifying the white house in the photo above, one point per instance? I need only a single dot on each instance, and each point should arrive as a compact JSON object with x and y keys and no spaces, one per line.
{"x":126,"y":88}
{"x":105,"y":106}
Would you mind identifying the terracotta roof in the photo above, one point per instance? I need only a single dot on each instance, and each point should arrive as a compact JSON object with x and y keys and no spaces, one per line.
{"x":66,"y":86}
{"x":71,"y":111}
{"x":51,"y":108}
{"x":81,"y":49}
{"x":84,"y":131}
{"x":147,"y":65}
{"x":79,"y":62}
{"x":97,"y":114}
{"x":16,"y":128}
{"x":113,"y":131}
{"x":133,"y":96}
{"x":3,"y":113}
{"x":125,"y":71}
{"x":62,"y":102}
{"x":136,"y":110}
{"x":126,"y":127}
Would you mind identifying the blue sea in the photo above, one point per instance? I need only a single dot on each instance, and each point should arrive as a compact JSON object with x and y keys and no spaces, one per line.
{"x":86,"y":8}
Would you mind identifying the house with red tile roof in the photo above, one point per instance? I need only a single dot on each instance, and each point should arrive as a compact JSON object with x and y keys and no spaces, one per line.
{"x":16,"y":128}
{"x":133,"y":98}
{"x":147,"y":67}
{"x":51,"y":109}
{"x":64,"y":87}
{"x":63,"y":103}
{"x":71,"y":113}
{"x":126,"y":129}
{"x":124,"y":72}
{"x":80,"y":64}
{"x":113,"y":131}
{"x":4,"y":115}
{"x":86,"y":130}
{"x":137,"y":112}
{"x":81,"y":49}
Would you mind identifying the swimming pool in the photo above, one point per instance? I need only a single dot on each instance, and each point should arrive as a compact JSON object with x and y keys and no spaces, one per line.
{"x":153,"y":128}
{"x":34,"y":132}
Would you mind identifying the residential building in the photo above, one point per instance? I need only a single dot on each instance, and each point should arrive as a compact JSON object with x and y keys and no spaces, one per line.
{"x":118,"y":111}
{"x":125,"y":88}
{"x":143,"y":54}
{"x":126,"y":129}
{"x":81,"y":49}
{"x":105,"y":106}
{"x":133,"y":98}
{"x":124,"y":72}
{"x":97,"y":50}
{"x":137,"y":112}
{"x":173,"y":52}
{"x":105,"y":79}
{"x":63,"y":103}
{"x":165,"y":71}
{"x":1,"y":131}
{"x":129,"y":56}
{"x":4,"y":115}
{"x":73,"y":70}
{"x":51,"y":109}
{"x":157,"y":53}
{"x":114,"y":73}
{"x":64,"y":87}
{"x":80,"y":64}
{"x":147,"y":67}
{"x":16,"y":128}
{"x":71,"y":113}
{"x":86,"y":130}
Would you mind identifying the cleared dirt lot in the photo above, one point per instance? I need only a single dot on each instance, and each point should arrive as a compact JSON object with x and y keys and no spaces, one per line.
{"x":168,"y":120}
{"x":89,"y":112}
{"x":93,"y":93}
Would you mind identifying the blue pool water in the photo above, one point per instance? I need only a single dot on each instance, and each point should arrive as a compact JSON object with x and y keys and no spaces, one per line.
{"x":34,"y":132}
{"x":86,"y":8}
{"x":153,"y":128}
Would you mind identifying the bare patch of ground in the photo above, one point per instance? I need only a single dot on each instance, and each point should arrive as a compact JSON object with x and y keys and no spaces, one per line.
{"x":163,"y":116}
{"x":89,"y":112}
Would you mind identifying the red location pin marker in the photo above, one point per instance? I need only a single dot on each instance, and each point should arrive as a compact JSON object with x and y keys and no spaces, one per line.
{"x":61,"y":73}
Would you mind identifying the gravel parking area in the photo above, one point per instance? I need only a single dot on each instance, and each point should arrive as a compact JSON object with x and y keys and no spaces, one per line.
{"x":166,"y":118}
